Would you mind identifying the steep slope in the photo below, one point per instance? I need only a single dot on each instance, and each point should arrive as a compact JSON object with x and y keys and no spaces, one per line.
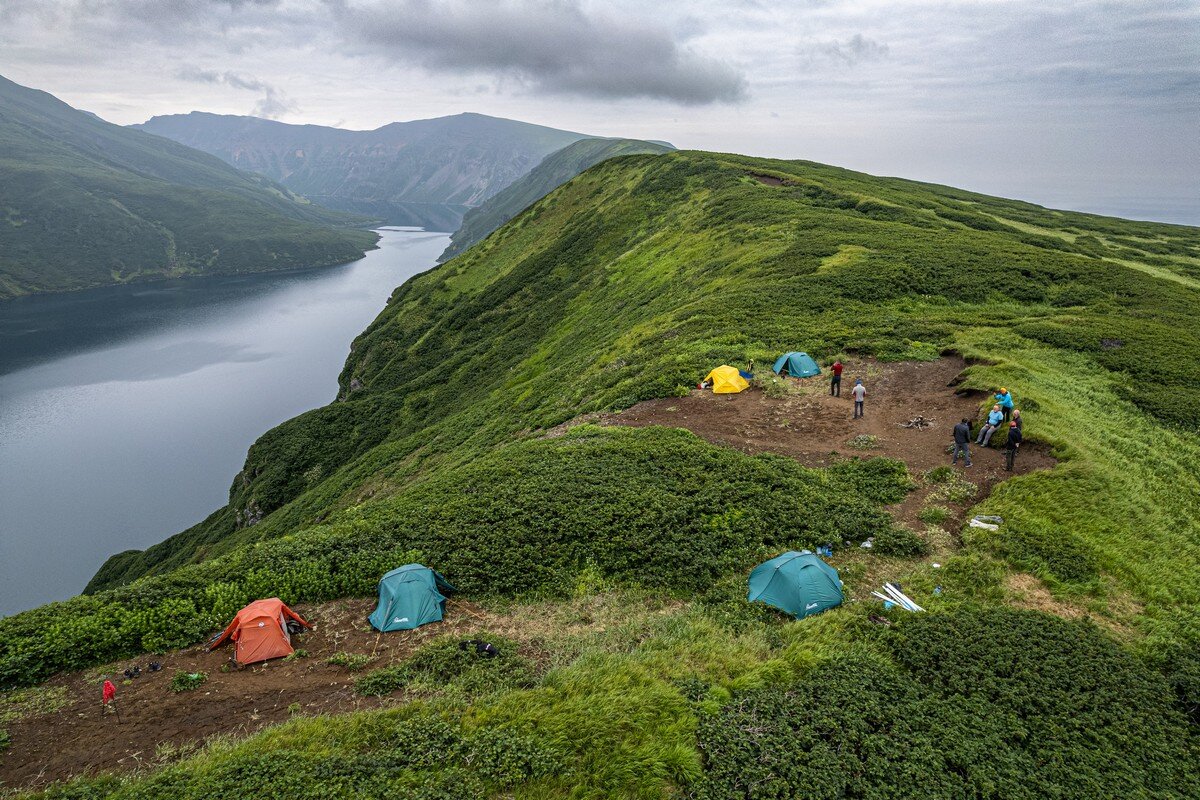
{"x":87,"y":203}
{"x":555,"y":170}
{"x":433,"y":167}
{"x":628,"y":283}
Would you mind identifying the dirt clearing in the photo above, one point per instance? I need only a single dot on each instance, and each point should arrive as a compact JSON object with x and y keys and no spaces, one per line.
{"x":159,"y":724}
{"x":816,"y":429}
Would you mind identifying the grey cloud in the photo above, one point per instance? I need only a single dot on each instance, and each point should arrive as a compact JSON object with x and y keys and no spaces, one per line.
{"x":553,"y":46}
{"x":272,"y":105}
{"x":854,"y":50}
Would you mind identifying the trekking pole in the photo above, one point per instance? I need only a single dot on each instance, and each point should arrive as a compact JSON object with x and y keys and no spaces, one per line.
{"x":117,"y":709}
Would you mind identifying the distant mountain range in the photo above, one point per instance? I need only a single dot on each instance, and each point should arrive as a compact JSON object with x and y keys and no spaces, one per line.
{"x":555,"y":170}
{"x":86,"y":203}
{"x":426,"y":172}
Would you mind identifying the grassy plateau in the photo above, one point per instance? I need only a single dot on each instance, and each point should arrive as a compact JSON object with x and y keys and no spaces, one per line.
{"x":629,"y":283}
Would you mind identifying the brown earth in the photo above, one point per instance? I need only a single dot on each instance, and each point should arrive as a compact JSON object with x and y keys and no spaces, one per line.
{"x":157,"y":723}
{"x":815,"y":429}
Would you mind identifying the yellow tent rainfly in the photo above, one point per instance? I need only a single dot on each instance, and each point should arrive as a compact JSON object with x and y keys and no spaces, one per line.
{"x":726,"y":380}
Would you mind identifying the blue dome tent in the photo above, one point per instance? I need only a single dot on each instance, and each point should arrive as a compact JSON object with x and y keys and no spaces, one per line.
{"x":409,"y":597}
{"x":798,"y":365}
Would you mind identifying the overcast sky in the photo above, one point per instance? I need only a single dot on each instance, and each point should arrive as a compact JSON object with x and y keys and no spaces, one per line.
{"x":1085,"y":105}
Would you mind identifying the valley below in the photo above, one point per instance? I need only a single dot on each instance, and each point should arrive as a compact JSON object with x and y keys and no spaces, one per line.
{"x":125,"y":410}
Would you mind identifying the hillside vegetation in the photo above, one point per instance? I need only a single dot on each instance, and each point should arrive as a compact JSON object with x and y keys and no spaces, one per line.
{"x":628,"y":283}
{"x":86,"y":203}
{"x":425,"y":172}
{"x":555,"y":170}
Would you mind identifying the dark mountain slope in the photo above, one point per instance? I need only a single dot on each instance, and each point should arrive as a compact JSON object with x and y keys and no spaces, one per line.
{"x":555,"y":170}
{"x":85,"y":203}
{"x":447,"y":163}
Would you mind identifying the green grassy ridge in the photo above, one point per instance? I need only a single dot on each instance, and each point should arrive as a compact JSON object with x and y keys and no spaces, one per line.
{"x":633,"y":279}
{"x":554,"y":170}
{"x":963,"y":701}
{"x":85,"y":203}
{"x":658,"y":508}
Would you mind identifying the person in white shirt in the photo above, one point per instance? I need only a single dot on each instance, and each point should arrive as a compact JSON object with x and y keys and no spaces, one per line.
{"x":858,"y":393}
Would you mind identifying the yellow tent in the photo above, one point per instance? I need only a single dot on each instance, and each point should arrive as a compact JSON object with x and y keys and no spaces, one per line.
{"x":727,"y":380}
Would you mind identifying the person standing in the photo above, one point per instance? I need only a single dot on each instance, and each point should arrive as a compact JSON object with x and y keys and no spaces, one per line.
{"x":962,"y":435}
{"x":1005,"y":401}
{"x":835,"y":383}
{"x":1014,"y":442}
{"x":858,"y":393}
{"x":1016,"y":417}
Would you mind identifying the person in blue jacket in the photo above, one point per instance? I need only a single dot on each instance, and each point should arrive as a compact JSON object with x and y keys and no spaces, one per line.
{"x":995,"y":417}
{"x":1006,"y":402}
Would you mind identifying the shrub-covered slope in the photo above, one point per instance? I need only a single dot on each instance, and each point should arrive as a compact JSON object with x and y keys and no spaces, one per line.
{"x":555,"y":170}
{"x":85,"y":203}
{"x":627,"y":283}
{"x":636,"y":277}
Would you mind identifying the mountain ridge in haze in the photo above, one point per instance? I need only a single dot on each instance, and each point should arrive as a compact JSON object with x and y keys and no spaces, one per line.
{"x":87,"y":203}
{"x":442,"y":165}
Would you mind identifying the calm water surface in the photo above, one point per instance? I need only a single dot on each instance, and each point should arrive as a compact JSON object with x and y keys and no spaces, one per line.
{"x":125,"y":412}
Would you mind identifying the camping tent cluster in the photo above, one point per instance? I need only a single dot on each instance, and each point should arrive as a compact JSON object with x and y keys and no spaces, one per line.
{"x":409,"y":597}
{"x":731,"y":380}
{"x":414,"y":595}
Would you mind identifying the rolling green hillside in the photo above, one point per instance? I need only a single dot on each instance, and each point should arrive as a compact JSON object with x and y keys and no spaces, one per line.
{"x":555,"y":170}
{"x":628,"y":283}
{"x":86,"y":203}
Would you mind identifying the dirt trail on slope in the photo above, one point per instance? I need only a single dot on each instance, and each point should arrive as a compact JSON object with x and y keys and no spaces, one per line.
{"x":816,"y":429}
{"x":81,"y":738}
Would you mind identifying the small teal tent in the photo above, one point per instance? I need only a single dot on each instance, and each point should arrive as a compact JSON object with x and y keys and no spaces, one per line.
{"x":799,"y":583}
{"x":798,"y":365}
{"x":410,"y":596}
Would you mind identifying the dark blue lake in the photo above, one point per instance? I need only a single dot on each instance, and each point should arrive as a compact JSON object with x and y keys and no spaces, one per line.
{"x":125,"y":412}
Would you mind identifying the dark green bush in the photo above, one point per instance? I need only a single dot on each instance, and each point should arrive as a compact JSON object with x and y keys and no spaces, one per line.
{"x":444,"y":663}
{"x":989,"y":704}
{"x":899,"y":541}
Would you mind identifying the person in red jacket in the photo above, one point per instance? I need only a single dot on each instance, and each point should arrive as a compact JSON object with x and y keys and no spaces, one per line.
{"x":835,"y":383}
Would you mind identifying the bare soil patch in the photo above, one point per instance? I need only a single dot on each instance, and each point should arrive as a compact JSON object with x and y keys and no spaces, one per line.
{"x":817,"y":429}
{"x":82,"y":738}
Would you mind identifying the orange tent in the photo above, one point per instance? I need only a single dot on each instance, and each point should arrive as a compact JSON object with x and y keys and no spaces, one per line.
{"x":259,"y":631}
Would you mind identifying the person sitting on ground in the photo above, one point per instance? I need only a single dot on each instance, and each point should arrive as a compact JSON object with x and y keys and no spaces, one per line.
{"x":1014,"y":442}
{"x":962,"y":435}
{"x":835,"y":383}
{"x":995,"y":417}
{"x":858,"y":393}
{"x":1006,"y":402}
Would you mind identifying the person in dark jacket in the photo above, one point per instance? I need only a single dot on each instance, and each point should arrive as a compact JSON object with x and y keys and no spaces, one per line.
{"x":962,"y":435}
{"x":835,"y":383}
{"x":1016,"y":417}
{"x":1014,"y":442}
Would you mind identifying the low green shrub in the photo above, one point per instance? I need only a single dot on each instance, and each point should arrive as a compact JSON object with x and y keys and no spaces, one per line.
{"x":351,"y":661}
{"x":934,"y":514}
{"x":977,"y":703}
{"x":296,"y":655}
{"x":187,"y":681}
{"x":864,"y":441}
{"x":452,"y":663}
{"x":899,"y":541}
{"x":5,"y":740}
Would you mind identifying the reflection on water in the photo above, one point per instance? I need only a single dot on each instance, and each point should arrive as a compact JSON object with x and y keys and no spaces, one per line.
{"x":125,"y":412}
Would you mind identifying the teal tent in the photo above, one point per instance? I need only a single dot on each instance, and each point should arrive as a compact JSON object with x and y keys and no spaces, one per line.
{"x":799,"y":583}
{"x":409,"y":597}
{"x":798,"y":365}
